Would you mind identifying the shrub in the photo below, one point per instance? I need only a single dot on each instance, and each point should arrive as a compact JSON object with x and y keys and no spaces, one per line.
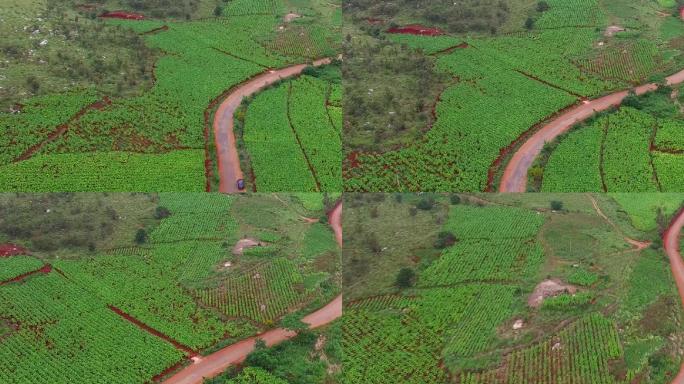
{"x":405,"y":278}
{"x":140,"y":236}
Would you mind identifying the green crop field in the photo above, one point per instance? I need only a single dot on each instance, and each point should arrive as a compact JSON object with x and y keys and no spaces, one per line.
{"x":477,"y":307}
{"x":493,"y":77}
{"x":130,"y":303}
{"x":148,"y":97}
{"x":292,"y":135}
{"x":633,"y":149}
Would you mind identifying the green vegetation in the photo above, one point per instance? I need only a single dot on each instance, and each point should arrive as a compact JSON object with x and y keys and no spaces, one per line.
{"x":153,"y":108}
{"x":477,"y":312}
{"x":112,"y":260}
{"x":500,"y":73}
{"x":633,"y":149}
{"x":312,"y":357}
{"x":292,"y":140}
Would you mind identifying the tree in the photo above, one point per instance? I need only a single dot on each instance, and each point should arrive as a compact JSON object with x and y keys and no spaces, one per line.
{"x":218,"y":10}
{"x":373,"y":243}
{"x":292,"y":322}
{"x":542,"y":6}
{"x":557,"y":205}
{"x":529,"y":23}
{"x":405,"y":278}
{"x":33,"y":84}
{"x":455,"y":199}
{"x":140,"y":236}
{"x":426,"y":203}
{"x":161,"y":213}
{"x":445,"y":239}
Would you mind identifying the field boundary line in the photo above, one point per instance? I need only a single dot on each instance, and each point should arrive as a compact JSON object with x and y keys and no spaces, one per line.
{"x":294,"y":131}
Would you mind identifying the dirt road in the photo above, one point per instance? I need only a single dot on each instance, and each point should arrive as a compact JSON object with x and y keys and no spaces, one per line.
{"x":212,"y":365}
{"x":335,"y":220}
{"x":514,"y":178}
{"x":671,"y":239}
{"x":226,"y":149}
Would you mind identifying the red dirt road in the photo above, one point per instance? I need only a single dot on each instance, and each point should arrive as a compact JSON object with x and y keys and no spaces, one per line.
{"x":212,"y":365}
{"x":671,"y":239}
{"x":226,"y":149}
{"x":514,"y":178}
{"x":335,"y":220}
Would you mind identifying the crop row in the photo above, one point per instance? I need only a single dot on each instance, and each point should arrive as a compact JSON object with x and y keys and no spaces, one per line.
{"x":67,"y":336}
{"x":276,"y":157}
{"x":318,"y":137}
{"x":619,"y":145}
{"x":14,"y":266}
{"x":262,"y":295}
{"x":475,"y":120}
{"x":106,"y":171}
{"x":580,"y":353}
{"x":402,"y":345}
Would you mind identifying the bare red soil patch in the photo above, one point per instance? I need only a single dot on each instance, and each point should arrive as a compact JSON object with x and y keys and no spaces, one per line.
{"x":416,"y":29}
{"x":8,"y":249}
{"x":123,"y":15}
{"x":153,"y":331}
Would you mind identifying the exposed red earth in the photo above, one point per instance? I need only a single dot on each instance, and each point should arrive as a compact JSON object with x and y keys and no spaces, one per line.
{"x":514,"y":178}
{"x":671,"y":242}
{"x":212,"y":365}
{"x":416,"y":29}
{"x":8,"y":249}
{"x":226,"y":149}
{"x":123,"y":15}
{"x":47,"y":268}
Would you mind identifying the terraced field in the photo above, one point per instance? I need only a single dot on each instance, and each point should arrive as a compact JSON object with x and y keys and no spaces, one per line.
{"x":498,"y":87}
{"x":523,"y":294}
{"x":138,"y":309}
{"x":156,"y":136}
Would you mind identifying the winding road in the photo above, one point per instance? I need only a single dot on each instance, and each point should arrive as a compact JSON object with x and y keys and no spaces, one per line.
{"x":226,"y":148}
{"x":217,"y":362}
{"x":514,"y":178}
{"x":671,"y":239}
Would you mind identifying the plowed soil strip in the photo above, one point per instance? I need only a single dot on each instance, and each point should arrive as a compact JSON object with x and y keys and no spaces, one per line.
{"x":671,"y":243}
{"x":514,"y":178}
{"x":47,"y":268}
{"x":226,"y":148}
{"x":152,"y":331}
